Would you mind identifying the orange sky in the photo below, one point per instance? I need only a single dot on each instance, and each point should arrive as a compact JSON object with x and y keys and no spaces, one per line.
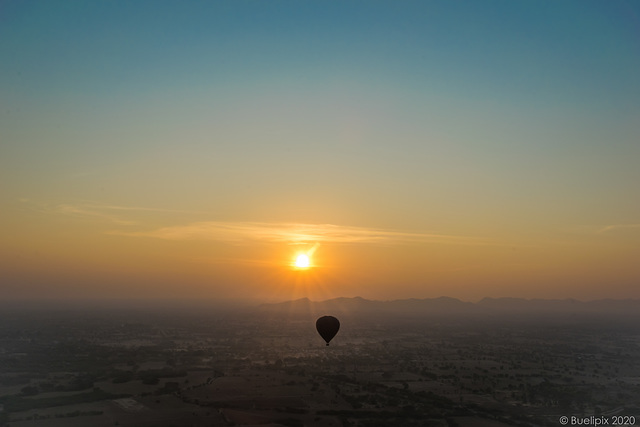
{"x":106,"y":251}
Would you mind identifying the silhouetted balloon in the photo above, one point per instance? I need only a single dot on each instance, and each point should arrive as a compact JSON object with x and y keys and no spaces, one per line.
{"x":327,"y":327}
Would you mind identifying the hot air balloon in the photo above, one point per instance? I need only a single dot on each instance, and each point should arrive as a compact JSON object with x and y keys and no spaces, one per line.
{"x":327,"y":327}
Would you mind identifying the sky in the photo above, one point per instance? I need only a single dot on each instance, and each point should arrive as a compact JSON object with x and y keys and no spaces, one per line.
{"x":193,"y":149}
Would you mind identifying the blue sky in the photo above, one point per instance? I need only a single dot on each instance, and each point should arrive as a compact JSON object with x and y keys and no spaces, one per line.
{"x":554,"y":51}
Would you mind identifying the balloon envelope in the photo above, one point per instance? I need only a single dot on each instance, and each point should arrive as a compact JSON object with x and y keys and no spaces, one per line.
{"x":327,"y":327}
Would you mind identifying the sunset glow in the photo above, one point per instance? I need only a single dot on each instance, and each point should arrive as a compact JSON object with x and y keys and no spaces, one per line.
{"x":222,"y":149}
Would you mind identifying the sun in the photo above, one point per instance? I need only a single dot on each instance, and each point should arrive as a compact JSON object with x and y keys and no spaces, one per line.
{"x":303,"y":258}
{"x":302,"y":261}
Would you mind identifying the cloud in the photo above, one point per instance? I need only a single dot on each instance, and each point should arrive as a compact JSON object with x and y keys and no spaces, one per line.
{"x":99,"y":206}
{"x":294,"y":233}
{"x":88,"y":212}
{"x":241,"y":232}
{"x":617,"y":227}
{"x":109,"y":213}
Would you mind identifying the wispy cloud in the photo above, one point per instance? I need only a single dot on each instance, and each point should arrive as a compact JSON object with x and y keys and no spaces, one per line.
{"x":294,"y":233}
{"x":617,"y":227}
{"x":88,"y":212}
{"x":241,"y":232}
{"x":99,"y":206}
{"x":105,"y":212}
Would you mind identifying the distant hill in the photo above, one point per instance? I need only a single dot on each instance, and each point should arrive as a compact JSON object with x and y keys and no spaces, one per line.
{"x":453,"y":306}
